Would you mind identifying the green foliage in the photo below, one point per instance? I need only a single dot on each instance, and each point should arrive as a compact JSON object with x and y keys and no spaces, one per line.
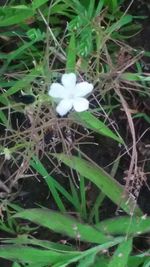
{"x":71,"y":54}
{"x":19,"y":13}
{"x":123,"y":225}
{"x":36,"y":49}
{"x":102,"y":180}
{"x":112,"y":4}
{"x":51,"y":253}
{"x":53,"y":185}
{"x":42,"y":252}
{"x":15,"y":14}
{"x":94,"y":124}
{"x":120,"y":257}
{"x":64,"y":224}
{"x":24,"y":83}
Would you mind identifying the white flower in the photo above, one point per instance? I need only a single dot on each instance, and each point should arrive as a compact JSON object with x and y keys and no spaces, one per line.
{"x":70,"y":94}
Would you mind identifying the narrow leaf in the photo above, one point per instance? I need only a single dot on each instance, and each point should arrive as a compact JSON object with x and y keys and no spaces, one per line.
{"x":120,"y":257}
{"x":120,"y":23}
{"x":125,"y":225}
{"x":24,"y":82}
{"x":15,"y":264}
{"x":91,"y":122}
{"x":108,"y":185}
{"x":34,"y":255}
{"x":37,"y":3}
{"x":71,"y":54}
{"x":63,"y":224}
{"x":54,"y":186}
{"x":14,"y":14}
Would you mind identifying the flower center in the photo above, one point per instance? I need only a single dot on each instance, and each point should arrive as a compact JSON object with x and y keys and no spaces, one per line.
{"x":71,"y":96}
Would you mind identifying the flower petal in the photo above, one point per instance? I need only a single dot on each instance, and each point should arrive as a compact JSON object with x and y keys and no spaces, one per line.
{"x":69,"y":81}
{"x":57,"y":91}
{"x":64,"y":107}
{"x":83,"y":89}
{"x":80,"y":104}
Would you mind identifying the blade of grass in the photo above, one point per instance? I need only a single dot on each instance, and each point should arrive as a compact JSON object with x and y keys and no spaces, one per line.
{"x":121,"y":255}
{"x":15,"y":264}
{"x":88,"y":260}
{"x":5,"y":228}
{"x":38,"y":166}
{"x":91,"y":122}
{"x":99,"y":8}
{"x":3,"y":118}
{"x":18,"y":53}
{"x":25,"y":254}
{"x":83,"y":197}
{"x":63,"y":224}
{"x":33,"y":255}
{"x":37,"y":3}
{"x":135,"y":261}
{"x":103,"y":180}
{"x":25,"y":240}
{"x":101,"y":261}
{"x":75,"y":196}
{"x":71,"y":54}
{"x":90,"y":11}
{"x":26,"y":80}
{"x":125,"y":225}
{"x":142,"y":115}
{"x":95,"y":209}
{"x":112,"y":4}
{"x":15,"y":14}
{"x":120,"y":23}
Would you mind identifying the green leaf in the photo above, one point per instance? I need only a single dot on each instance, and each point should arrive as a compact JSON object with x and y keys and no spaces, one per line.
{"x":53,"y":185}
{"x":26,"y":254}
{"x":125,"y":225}
{"x":71,"y":54}
{"x":137,"y":260}
{"x":94,"y":212}
{"x":85,"y":42}
{"x":134,"y":77}
{"x":63,"y":224}
{"x":101,"y":261}
{"x":120,"y":257}
{"x":92,"y":123}
{"x":102,"y":180}
{"x":146,"y":263}
{"x":37,"y":165}
{"x":99,"y":8}
{"x":23,"y":83}
{"x":37,"y":3}
{"x":33,"y":255}
{"x":131,"y":76}
{"x":15,"y":264}
{"x":14,"y":15}
{"x":143,"y":116}
{"x":35,"y":34}
{"x":87,"y":261}
{"x":25,"y":240}
{"x":77,"y":6}
{"x":120,"y":23}
{"x":3,"y":118}
{"x":90,"y":11}
{"x":112,"y":4}
{"x":18,"y":13}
